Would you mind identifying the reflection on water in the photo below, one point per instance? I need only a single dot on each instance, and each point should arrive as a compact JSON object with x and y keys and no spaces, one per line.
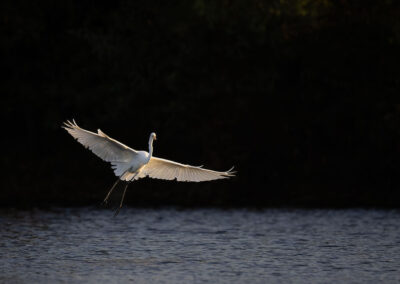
{"x":199,"y":246}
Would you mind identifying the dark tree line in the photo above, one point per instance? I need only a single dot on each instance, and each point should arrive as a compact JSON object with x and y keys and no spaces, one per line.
{"x":301,"y":96}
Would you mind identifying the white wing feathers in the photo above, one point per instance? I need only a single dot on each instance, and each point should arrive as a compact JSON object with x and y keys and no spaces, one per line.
{"x":103,"y":146}
{"x":123,"y":158}
{"x":164,"y":169}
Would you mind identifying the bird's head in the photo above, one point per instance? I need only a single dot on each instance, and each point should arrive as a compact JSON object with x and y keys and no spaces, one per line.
{"x":153,"y":136}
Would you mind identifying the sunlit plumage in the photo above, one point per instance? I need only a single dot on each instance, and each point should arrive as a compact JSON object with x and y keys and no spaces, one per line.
{"x":129,"y":164}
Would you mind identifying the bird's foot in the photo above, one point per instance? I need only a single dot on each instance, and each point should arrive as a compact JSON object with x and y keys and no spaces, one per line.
{"x":117,"y":211}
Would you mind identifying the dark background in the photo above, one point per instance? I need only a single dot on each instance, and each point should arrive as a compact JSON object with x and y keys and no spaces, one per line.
{"x":301,"y":96}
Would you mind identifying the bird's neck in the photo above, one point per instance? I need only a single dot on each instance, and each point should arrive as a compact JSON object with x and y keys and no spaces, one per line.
{"x":150,"y":148}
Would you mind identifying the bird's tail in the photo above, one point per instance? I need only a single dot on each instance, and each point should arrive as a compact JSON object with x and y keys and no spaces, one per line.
{"x":121,"y":169}
{"x":129,"y":176}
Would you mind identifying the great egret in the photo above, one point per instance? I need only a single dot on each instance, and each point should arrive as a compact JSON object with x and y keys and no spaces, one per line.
{"x":129,"y":164}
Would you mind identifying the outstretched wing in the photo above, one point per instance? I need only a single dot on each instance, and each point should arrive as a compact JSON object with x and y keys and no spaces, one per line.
{"x":103,"y":146}
{"x":165,"y":169}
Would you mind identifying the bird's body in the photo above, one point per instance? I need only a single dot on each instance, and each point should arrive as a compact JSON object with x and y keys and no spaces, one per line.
{"x":135,"y":165}
{"x":129,"y":164}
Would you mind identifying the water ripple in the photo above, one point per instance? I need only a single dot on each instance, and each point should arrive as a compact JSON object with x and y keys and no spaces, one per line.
{"x":199,"y":246}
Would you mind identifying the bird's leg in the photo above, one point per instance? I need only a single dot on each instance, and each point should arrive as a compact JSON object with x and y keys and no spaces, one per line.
{"x":122,"y":200}
{"x":111,"y":190}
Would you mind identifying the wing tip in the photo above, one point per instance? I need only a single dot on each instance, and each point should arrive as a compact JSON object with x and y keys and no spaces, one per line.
{"x":69,"y":125}
{"x":230,"y":172}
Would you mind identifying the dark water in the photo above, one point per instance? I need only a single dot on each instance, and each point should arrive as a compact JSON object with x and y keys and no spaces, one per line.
{"x":200,"y":246}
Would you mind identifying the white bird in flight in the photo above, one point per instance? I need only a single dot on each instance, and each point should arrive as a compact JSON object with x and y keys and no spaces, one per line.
{"x":129,"y":164}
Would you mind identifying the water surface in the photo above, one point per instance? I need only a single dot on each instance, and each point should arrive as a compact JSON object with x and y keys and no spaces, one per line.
{"x":199,"y":246}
